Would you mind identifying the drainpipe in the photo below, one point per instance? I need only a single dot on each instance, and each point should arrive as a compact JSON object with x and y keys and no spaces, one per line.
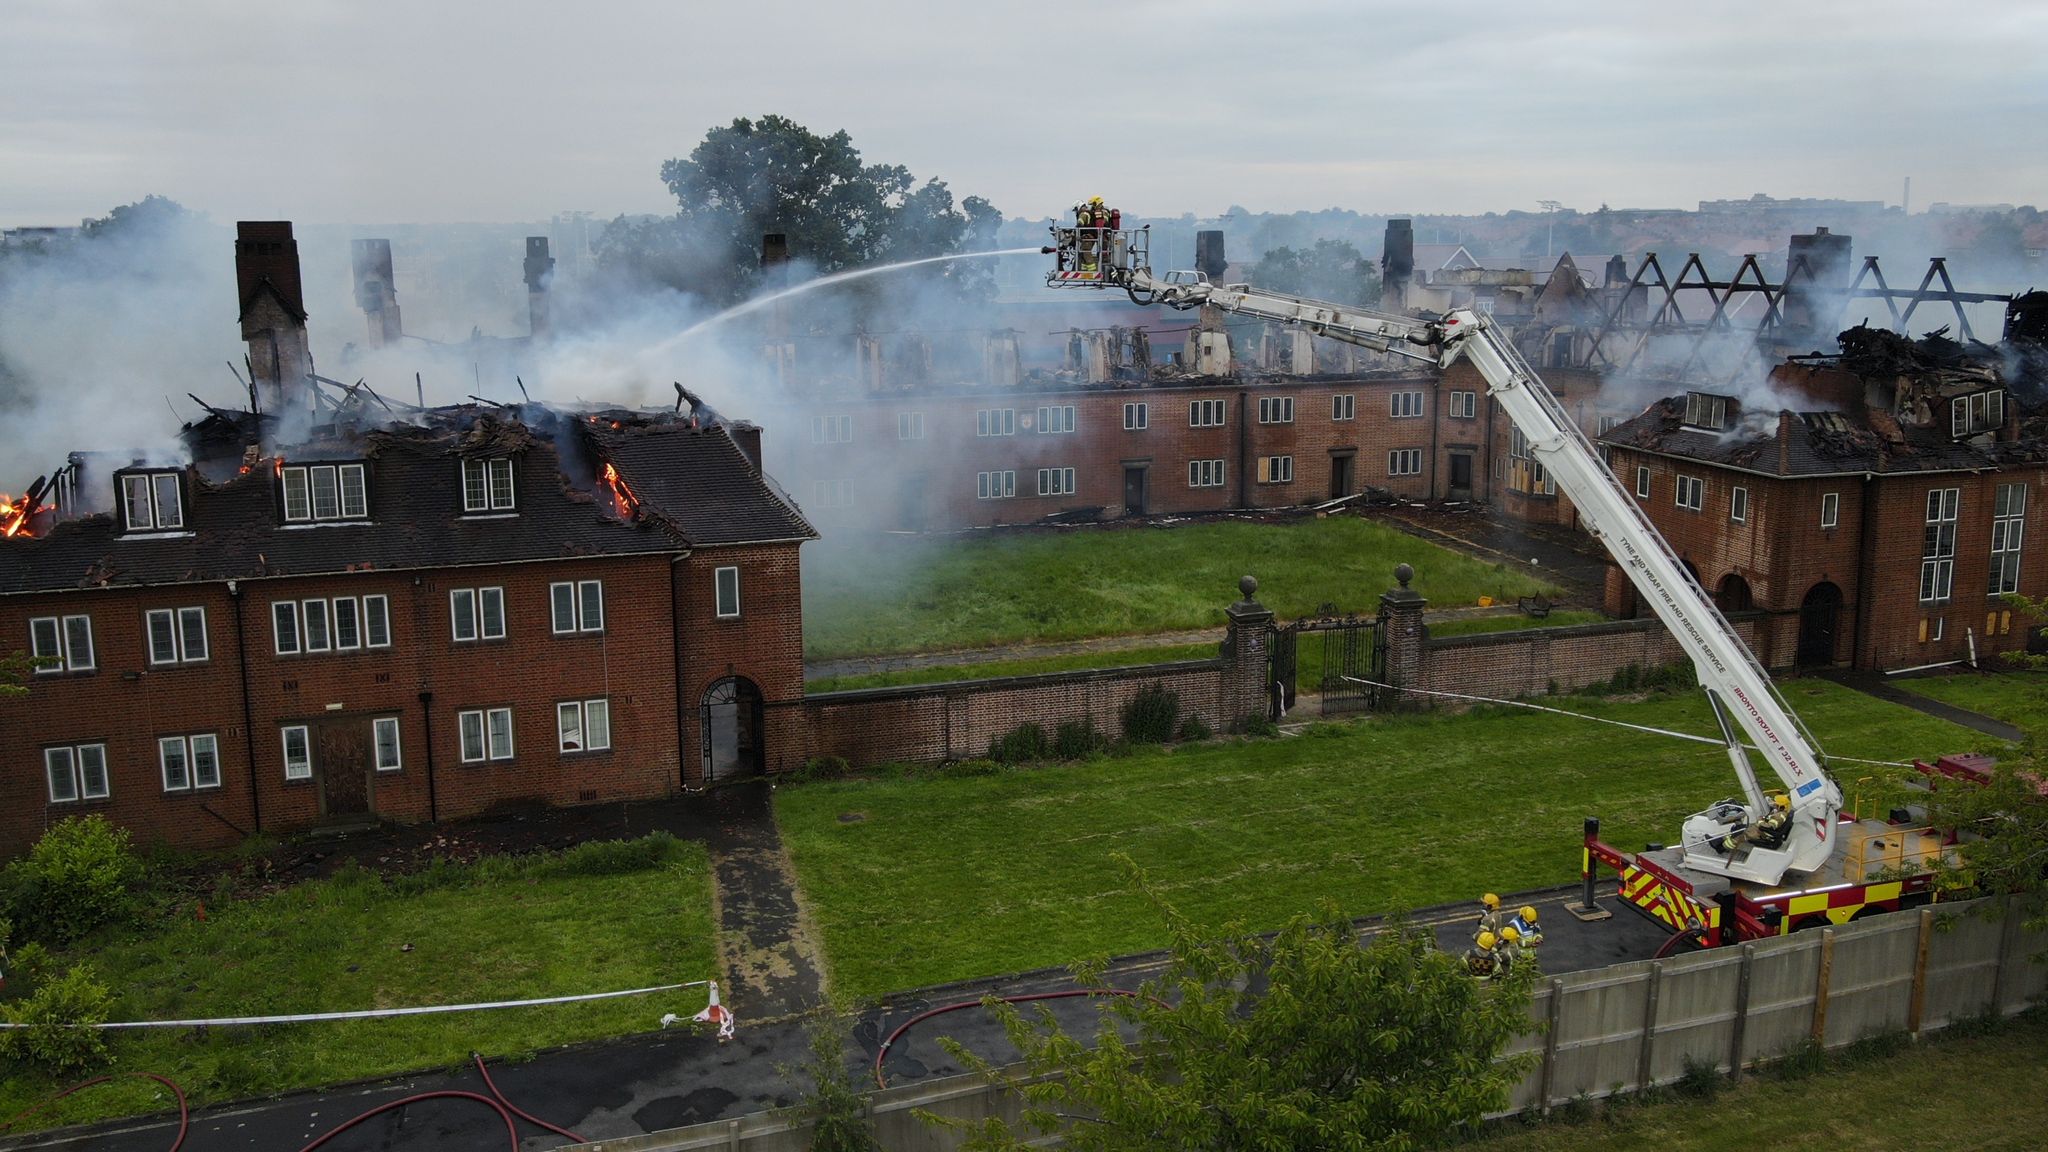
{"x":248,"y":717}
{"x":1436,"y":423}
{"x":675,"y":635}
{"x":1866,"y":566}
{"x":1244,"y":448}
{"x":427,"y":725}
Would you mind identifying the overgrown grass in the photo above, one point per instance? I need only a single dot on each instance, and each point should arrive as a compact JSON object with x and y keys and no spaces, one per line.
{"x":951,"y":878}
{"x":1069,"y":662}
{"x":2018,"y":698}
{"x":597,"y":918}
{"x":904,"y":594}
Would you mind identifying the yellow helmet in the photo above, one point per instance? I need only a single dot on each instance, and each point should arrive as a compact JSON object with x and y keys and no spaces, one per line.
{"x":1487,"y":940}
{"x":1511,"y":934}
{"x":1782,"y":800}
{"x":1529,"y":913}
{"x":1490,"y":901}
{"x":1095,"y":199}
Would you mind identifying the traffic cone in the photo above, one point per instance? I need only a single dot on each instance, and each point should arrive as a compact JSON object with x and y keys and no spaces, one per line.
{"x":716,"y":1013}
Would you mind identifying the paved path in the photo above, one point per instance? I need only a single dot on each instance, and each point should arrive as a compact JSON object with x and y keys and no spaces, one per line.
{"x":1885,"y":688}
{"x":765,"y":945}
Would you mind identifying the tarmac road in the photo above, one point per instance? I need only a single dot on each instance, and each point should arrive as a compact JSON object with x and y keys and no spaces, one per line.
{"x":660,"y":1080}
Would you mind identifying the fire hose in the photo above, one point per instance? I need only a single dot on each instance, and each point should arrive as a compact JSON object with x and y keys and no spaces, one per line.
{"x":882,"y":1053}
{"x":184,"y":1112}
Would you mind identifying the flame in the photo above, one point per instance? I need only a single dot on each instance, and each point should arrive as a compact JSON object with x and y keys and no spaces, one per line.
{"x":278,"y":466}
{"x":14,"y":516}
{"x":623,"y":499}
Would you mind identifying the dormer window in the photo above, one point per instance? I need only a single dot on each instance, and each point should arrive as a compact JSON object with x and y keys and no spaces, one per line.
{"x":1977,"y":412}
{"x":487,"y":485}
{"x":317,"y":492}
{"x":152,"y":501}
{"x":1707,"y":411}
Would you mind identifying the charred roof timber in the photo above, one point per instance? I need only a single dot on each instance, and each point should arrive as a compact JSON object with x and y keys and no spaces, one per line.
{"x":540,"y":270}
{"x":377,"y":291}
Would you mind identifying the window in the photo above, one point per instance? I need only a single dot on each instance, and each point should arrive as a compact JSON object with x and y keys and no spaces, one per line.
{"x":284,"y":626}
{"x":298,"y":753}
{"x":315,"y":492}
{"x":317,"y":638}
{"x":1404,"y":462}
{"x":1830,"y":509}
{"x":1207,"y":413}
{"x":834,"y":493}
{"x":1643,"y":483}
{"x":831,"y":429}
{"x":176,"y":636}
{"x":578,"y":606}
{"x":1977,"y":412}
{"x":1055,"y":481}
{"x":478,"y":614}
{"x":384,"y":741}
{"x":1525,"y":472}
{"x":1276,"y":469}
{"x":1205,"y":473}
{"x":348,"y":624}
{"x":205,"y":761}
{"x":78,"y":773}
{"x":727,"y":585}
{"x":472,"y":725}
{"x":150,"y":501}
{"x":1344,"y":407}
{"x":2008,"y":527}
{"x":995,"y":422}
{"x":1938,"y":546}
{"x":376,"y":622}
{"x":1401,"y":405}
{"x":498,"y":725}
{"x":1464,"y":405}
{"x":1706,"y":410}
{"x":1738,"y":505}
{"x":189,"y":762}
{"x":1691,"y":491}
{"x":486,"y":485}
{"x":1276,"y":409}
{"x":1136,"y":416}
{"x":995,"y":485}
{"x":584,"y":725}
{"x":486,"y":734}
{"x":910,"y":425}
{"x":1058,"y":418}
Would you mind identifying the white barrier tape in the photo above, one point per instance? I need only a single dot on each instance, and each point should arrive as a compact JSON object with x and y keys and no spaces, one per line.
{"x":1602,"y":720}
{"x":376,"y":1013}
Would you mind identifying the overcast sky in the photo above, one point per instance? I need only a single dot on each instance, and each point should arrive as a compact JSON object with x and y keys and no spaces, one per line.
{"x":505,"y":110}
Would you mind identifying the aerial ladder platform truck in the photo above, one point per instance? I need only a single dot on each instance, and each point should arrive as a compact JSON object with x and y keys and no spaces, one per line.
{"x":1768,"y":861}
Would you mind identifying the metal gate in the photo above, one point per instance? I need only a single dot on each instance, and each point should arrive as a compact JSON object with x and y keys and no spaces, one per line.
{"x":1333,"y":651}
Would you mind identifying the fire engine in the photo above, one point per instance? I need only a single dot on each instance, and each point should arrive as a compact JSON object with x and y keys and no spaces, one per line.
{"x":1756,"y":864}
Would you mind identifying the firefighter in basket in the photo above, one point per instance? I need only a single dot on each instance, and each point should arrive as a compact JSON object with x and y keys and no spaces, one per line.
{"x":1768,"y":832}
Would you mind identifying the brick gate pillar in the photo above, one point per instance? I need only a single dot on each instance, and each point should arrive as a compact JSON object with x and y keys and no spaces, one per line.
{"x":1403,"y":607}
{"x":1244,"y":656}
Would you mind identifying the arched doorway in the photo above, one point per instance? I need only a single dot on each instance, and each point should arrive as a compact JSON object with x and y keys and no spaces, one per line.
{"x":1733,"y":594}
{"x":729,"y":724}
{"x":1819,"y":617}
{"x":1693,"y":571}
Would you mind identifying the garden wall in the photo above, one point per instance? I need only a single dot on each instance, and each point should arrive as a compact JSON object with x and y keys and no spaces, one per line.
{"x":1537,"y":660}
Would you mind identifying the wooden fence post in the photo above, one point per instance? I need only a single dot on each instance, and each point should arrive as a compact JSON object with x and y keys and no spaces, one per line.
{"x":1544,"y":1082}
{"x":1649,"y":1025}
{"x":1918,"y":1008}
{"x":732,"y":1135}
{"x":1741,"y":1023}
{"x":1820,"y":986}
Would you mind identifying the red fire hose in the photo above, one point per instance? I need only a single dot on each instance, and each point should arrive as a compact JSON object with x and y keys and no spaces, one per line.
{"x":882,"y":1053}
{"x":184,"y":1113}
{"x":511,"y":1130}
{"x":515,"y":1109}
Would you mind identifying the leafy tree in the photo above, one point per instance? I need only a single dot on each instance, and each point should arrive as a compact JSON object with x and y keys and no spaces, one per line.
{"x":1330,"y":270}
{"x":835,"y":1105}
{"x":1309,"y":1040}
{"x":14,"y":673}
{"x":151,"y":213}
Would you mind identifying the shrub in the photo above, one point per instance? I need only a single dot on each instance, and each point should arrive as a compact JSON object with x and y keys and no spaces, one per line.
{"x":1149,"y":716}
{"x":1257,"y":724}
{"x":1701,"y":1079}
{"x":75,"y":879}
{"x":1193,"y":727}
{"x":613,"y":857}
{"x":1023,"y":743}
{"x":1077,"y":739}
{"x":52,"y":1041}
{"x":821,"y":768}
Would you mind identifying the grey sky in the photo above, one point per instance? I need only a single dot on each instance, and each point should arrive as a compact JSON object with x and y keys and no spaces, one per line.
{"x":436,"y":110}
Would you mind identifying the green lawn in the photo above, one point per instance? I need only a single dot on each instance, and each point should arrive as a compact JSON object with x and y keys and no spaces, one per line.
{"x":512,"y":931}
{"x":1961,"y":1094}
{"x":952,"y":878}
{"x":2018,"y":698}
{"x":873,"y":595}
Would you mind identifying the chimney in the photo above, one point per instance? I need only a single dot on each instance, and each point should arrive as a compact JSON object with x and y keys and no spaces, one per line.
{"x":1208,"y":352}
{"x":540,"y":271}
{"x":747,"y":438}
{"x":1000,"y":367}
{"x":1209,"y":258}
{"x":779,"y":350}
{"x":273,"y":315}
{"x":1397,"y":265}
{"x":376,"y":290}
{"x":1816,"y":281}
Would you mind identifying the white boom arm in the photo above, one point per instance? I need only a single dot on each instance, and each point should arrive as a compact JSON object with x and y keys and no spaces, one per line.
{"x":1737,"y":686}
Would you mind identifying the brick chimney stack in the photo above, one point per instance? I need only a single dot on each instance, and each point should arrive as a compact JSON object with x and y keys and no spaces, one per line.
{"x":780,"y":351}
{"x":1397,"y":265}
{"x":540,"y":271}
{"x":274,"y":320}
{"x":376,"y":291}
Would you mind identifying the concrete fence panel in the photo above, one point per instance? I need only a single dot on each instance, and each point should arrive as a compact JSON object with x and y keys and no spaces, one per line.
{"x":1781,"y":983}
{"x":1869,"y":989}
{"x":1696,"y":1013}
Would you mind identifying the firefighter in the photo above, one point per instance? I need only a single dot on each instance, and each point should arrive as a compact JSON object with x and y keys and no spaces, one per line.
{"x":1090,"y":217}
{"x":1482,"y":960}
{"x":1509,"y":950}
{"x":1490,"y":916}
{"x":1768,"y":832}
{"x":1526,"y":927}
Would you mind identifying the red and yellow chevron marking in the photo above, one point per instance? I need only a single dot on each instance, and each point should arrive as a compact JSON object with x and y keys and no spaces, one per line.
{"x":1668,"y":904}
{"x":1839,"y":905}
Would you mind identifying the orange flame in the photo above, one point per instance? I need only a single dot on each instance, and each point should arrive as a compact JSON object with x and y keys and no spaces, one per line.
{"x":14,"y":516}
{"x":623,"y":499}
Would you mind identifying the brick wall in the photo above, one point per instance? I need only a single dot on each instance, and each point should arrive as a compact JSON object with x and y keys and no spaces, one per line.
{"x":1531,"y":661}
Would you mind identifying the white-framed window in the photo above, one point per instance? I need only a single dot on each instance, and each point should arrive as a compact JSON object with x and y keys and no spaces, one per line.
{"x":1738,"y":505}
{"x":995,"y":422}
{"x":1404,"y":462}
{"x":284,"y":626}
{"x":1977,"y":412}
{"x":831,"y":429}
{"x":348,"y":624}
{"x":1276,"y":409}
{"x":1136,"y":416}
{"x":315,"y":492}
{"x":726,"y":592}
{"x":1404,"y":405}
{"x":1643,"y":482}
{"x":910,"y":425}
{"x":298,"y":752}
{"x":1208,"y":413}
{"x":476,"y":613}
{"x":995,"y":485}
{"x":1205,"y":473}
{"x":833,"y":493}
{"x":486,"y":734}
{"x":1830,"y":509}
{"x":76,"y":773}
{"x":486,"y":485}
{"x":1055,"y":481}
{"x":1464,"y":405}
{"x":1276,"y":469}
{"x":376,"y":622}
{"x":152,"y":501}
{"x":61,"y":644}
{"x":1056,"y":418}
{"x":1344,"y":406}
{"x":317,"y":636}
{"x":176,"y":635}
{"x":1706,"y":410}
{"x":384,"y":744}
{"x":583,"y":725}
{"x":2008,"y":530}
{"x":189,"y":762}
{"x":1938,"y":546}
{"x":576,"y":606}
{"x":1691,"y":493}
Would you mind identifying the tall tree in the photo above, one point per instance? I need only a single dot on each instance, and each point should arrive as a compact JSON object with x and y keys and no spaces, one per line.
{"x":1330,"y":270}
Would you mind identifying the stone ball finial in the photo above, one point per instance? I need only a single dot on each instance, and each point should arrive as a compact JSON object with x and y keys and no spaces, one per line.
{"x":1248,"y":585}
{"x":1404,"y":573}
